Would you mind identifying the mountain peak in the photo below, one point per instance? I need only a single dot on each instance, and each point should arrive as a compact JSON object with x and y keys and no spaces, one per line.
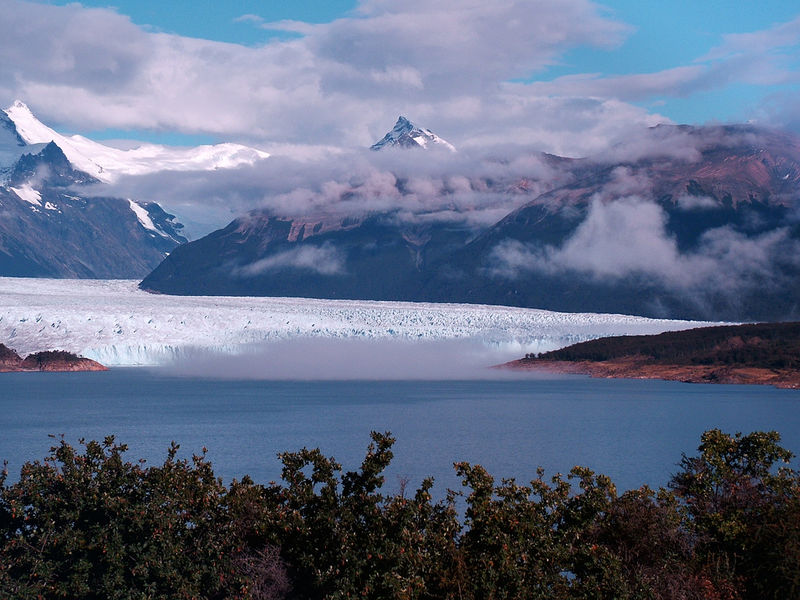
{"x":19,"y":105}
{"x":406,"y":134}
{"x":105,"y":163}
{"x":403,"y":123}
{"x":51,"y":166}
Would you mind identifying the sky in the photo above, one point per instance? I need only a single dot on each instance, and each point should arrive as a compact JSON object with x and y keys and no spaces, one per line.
{"x":567,"y":76}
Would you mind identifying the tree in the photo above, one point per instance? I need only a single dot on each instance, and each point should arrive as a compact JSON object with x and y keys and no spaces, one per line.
{"x":89,"y":524}
{"x":742,"y":504}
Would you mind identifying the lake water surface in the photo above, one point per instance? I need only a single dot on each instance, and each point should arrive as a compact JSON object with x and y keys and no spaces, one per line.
{"x":633,"y":431}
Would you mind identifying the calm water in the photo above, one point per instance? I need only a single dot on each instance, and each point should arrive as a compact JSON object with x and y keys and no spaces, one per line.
{"x":633,"y":431}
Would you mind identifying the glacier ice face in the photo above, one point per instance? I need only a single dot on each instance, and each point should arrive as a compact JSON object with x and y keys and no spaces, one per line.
{"x":114,"y":322}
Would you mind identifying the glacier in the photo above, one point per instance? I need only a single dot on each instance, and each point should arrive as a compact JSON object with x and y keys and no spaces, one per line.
{"x":117,"y":324}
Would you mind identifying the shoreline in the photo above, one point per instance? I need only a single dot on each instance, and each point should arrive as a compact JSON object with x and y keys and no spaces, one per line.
{"x":638,"y":368}
{"x":52,"y":361}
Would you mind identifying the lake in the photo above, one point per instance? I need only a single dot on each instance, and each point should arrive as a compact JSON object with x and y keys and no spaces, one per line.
{"x":631,"y":430}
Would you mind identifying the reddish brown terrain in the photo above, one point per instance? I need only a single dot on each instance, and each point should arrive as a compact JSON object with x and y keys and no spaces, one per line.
{"x":763,"y":353}
{"x":51,"y":360}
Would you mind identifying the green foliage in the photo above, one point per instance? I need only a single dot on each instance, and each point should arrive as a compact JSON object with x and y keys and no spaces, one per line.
{"x":87,"y":524}
{"x":742,"y":503}
{"x":91,"y":525}
{"x":344,"y":539}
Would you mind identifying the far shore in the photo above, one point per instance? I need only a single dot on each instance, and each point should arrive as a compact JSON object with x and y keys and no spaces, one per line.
{"x":54,"y":361}
{"x":637,"y":368}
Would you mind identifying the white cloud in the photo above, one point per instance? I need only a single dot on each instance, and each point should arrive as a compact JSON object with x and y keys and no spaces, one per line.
{"x":687,"y":202}
{"x":414,"y":185}
{"x":447,"y":63}
{"x":628,"y":237}
{"x":325,"y":260}
{"x":342,"y":83}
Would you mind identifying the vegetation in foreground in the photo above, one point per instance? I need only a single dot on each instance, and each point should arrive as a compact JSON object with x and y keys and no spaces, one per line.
{"x":85,"y":524}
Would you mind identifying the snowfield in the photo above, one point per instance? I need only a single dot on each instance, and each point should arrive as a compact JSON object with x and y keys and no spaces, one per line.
{"x":114,"y":322}
{"x":107,"y":163}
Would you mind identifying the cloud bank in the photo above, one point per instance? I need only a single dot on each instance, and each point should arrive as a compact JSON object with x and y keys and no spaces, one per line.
{"x":350,"y":359}
{"x":341,"y":83}
{"x":628,"y":237}
{"x":475,"y":72}
{"x":472,"y":188}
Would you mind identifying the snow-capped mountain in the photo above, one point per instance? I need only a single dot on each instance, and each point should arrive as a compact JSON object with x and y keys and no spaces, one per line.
{"x":106,"y":163}
{"x":407,"y":135}
{"x":11,"y":144}
{"x":49,"y":228}
{"x":713,"y":235}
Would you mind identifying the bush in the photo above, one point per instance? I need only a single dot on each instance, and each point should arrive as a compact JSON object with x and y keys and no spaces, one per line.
{"x":87,"y":524}
{"x":91,"y":525}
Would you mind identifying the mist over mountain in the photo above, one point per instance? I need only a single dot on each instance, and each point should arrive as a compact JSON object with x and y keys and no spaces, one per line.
{"x":680,"y":221}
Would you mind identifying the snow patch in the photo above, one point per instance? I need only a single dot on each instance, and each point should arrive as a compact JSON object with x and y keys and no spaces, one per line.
{"x":144,"y":218}
{"x":28,"y":194}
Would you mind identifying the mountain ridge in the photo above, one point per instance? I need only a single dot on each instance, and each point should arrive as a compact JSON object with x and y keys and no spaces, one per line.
{"x":106,"y":163}
{"x":51,"y":228}
{"x":702,"y":227}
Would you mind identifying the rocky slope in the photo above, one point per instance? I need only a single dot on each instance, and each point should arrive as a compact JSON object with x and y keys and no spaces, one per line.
{"x":50,"y":227}
{"x":711,"y":235}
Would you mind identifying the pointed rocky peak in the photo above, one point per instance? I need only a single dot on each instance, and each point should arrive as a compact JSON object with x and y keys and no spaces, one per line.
{"x":405,"y":134}
{"x":49,"y":166}
{"x":403,"y":125}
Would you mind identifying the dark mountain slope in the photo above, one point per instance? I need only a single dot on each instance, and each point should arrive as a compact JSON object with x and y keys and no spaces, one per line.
{"x":49,"y":229}
{"x":702,"y":225}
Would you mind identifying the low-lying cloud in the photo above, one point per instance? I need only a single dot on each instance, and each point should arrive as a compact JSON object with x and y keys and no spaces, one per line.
{"x":352,"y":359}
{"x":324,"y":260}
{"x":474,"y":188}
{"x":629,"y":237}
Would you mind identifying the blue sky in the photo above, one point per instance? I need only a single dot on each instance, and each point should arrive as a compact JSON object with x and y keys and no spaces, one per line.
{"x":215,"y":20}
{"x":663,"y":35}
{"x":678,"y":32}
{"x":573,"y":73}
